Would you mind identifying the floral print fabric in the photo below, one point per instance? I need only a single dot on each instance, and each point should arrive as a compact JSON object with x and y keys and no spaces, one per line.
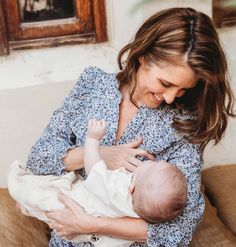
{"x":97,"y":95}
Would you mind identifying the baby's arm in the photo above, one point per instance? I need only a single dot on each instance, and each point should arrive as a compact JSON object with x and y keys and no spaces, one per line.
{"x":96,"y":131}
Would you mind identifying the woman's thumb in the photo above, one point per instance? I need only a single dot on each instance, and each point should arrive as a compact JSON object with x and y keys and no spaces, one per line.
{"x":136,"y":143}
{"x":64,"y":200}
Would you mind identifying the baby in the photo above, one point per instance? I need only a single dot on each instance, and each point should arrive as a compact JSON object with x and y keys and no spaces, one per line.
{"x":156,"y":191}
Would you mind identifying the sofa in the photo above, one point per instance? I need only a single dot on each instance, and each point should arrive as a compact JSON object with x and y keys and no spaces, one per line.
{"x":217,"y":228}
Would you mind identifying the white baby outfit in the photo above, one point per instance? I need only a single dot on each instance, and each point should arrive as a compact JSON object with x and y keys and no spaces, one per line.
{"x":103,"y":193}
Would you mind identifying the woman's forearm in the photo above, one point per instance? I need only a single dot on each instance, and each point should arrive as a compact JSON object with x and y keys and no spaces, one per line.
{"x":74,"y":159}
{"x":124,"y":227}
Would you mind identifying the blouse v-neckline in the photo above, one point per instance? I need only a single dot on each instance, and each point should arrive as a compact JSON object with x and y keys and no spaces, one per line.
{"x":135,"y":122}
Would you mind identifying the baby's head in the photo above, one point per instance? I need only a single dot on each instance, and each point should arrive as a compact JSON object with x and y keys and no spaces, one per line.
{"x":159,"y":191}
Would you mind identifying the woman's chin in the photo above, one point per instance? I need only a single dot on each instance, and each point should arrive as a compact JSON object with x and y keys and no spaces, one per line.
{"x":153,"y":105}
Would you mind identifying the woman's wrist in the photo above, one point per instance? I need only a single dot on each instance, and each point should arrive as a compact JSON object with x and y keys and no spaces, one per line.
{"x":121,"y":227}
{"x":91,"y":225}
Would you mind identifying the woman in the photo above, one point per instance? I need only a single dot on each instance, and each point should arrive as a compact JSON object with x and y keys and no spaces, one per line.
{"x":173,"y":92}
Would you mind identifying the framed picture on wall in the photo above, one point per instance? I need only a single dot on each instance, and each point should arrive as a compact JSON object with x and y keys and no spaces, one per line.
{"x":224,"y":13}
{"x":28,"y":24}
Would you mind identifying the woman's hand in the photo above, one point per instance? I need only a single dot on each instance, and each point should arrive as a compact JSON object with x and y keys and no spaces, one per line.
{"x":72,"y":220}
{"x":124,"y":155}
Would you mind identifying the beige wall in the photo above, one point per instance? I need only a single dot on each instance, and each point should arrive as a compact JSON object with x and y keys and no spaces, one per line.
{"x":34,"y":82}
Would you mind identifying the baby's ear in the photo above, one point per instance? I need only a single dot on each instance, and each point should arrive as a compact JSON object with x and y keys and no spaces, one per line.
{"x":131,"y":187}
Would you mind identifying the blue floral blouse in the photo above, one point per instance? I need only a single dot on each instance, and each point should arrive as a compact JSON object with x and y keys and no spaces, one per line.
{"x":97,"y":95}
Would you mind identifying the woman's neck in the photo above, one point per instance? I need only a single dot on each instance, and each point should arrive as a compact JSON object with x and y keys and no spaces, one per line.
{"x":126,"y":93}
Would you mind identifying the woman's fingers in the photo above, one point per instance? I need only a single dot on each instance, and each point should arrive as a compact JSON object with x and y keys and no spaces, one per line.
{"x":118,"y":156}
{"x":70,"y":236}
{"x":55,"y":225}
{"x":62,"y":234}
{"x":134,"y":161}
{"x":142,"y":152}
{"x":129,"y":167}
{"x":135,"y":143}
{"x":66,"y":236}
{"x":52,"y":216}
{"x":70,"y":220}
{"x":65,"y":200}
{"x":139,"y":151}
{"x":58,"y":215}
{"x":69,"y":203}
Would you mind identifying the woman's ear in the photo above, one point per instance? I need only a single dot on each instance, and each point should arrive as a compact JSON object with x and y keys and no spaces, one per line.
{"x":141,"y":60}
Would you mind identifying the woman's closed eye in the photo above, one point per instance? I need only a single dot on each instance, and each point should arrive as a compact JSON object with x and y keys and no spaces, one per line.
{"x":165,"y":84}
{"x":168,"y":85}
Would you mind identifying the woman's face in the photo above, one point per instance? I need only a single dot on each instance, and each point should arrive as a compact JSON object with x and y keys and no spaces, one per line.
{"x":164,"y":82}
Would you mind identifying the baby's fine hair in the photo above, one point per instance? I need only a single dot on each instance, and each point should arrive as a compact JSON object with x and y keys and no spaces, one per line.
{"x":162,"y":196}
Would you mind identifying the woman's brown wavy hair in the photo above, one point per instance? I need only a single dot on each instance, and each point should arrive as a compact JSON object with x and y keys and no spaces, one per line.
{"x":184,"y":34}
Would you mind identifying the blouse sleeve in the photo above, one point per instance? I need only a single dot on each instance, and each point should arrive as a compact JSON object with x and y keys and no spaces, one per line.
{"x":178,"y":232}
{"x":46,"y":155}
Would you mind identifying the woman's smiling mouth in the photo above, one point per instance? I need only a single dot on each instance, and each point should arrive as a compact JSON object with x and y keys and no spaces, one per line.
{"x":158,"y":98}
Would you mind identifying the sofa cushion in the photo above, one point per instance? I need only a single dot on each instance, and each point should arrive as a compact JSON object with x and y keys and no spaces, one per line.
{"x":17,"y":230}
{"x":220,"y":184}
{"x":211,"y":232}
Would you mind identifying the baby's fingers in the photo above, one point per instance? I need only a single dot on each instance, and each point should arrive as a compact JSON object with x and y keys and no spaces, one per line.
{"x":103,"y":123}
{"x":90,"y":123}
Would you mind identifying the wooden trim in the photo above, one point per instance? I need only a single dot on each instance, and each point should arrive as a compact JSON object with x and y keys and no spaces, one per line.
{"x":82,"y":23}
{"x":36,"y":32}
{"x":13,"y":17}
{"x":4,"y":47}
{"x":99,"y":9}
{"x":88,"y":25}
{"x":85,"y":14}
{"x":223,"y":14}
{"x":217,"y":14}
{"x":53,"y":41}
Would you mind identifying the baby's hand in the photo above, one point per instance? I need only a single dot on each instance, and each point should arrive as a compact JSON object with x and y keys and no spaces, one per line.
{"x":96,"y":129}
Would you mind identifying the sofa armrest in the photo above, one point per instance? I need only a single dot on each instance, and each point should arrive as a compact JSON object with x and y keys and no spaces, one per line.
{"x":17,"y":230}
{"x":220,"y":186}
{"x":211,"y":232}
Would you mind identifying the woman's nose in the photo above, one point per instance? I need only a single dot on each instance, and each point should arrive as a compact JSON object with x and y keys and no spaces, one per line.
{"x":169,"y":96}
